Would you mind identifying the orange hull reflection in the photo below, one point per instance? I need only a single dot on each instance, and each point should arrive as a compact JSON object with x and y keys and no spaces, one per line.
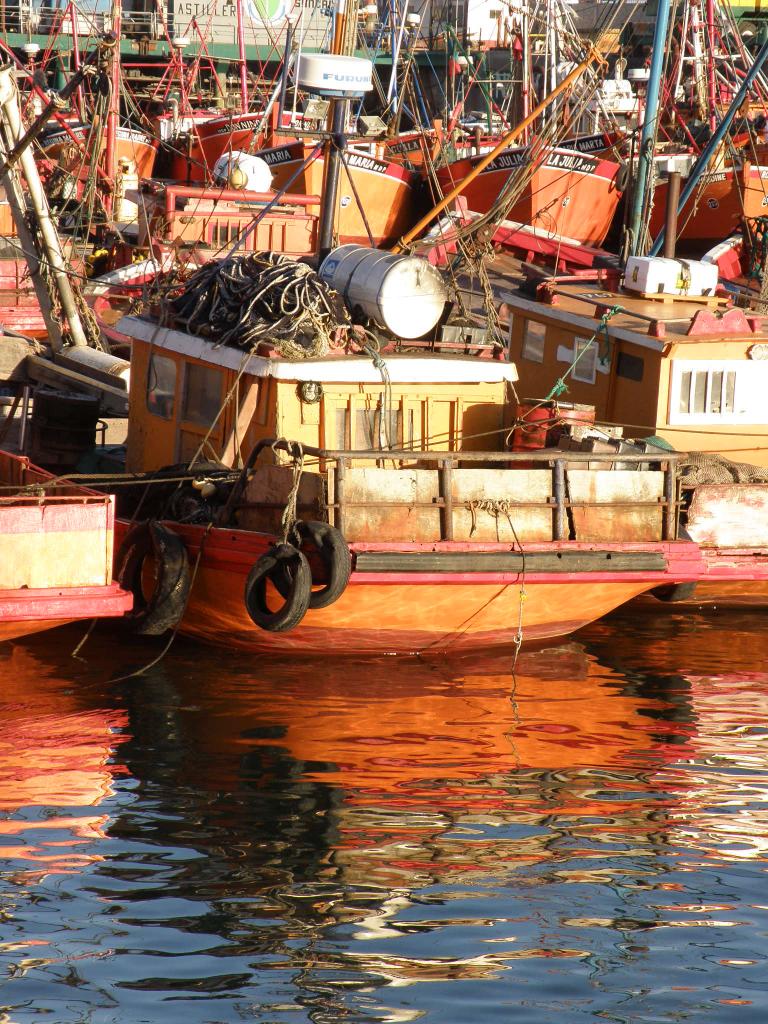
{"x":55,"y":753}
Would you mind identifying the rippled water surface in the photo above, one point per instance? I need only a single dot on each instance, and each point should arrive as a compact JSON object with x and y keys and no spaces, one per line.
{"x":233,"y":839}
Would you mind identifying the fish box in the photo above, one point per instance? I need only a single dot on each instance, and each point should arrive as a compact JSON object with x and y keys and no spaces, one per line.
{"x":655,"y":275}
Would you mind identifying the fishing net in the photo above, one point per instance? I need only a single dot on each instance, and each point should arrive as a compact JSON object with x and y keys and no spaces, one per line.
{"x":262,"y":298}
{"x":702,"y":468}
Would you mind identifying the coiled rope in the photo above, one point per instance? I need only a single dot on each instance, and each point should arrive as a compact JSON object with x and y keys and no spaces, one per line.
{"x":262,"y":298}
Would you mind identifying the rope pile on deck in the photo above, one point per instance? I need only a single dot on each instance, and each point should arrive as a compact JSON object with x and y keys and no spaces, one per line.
{"x":262,"y":298}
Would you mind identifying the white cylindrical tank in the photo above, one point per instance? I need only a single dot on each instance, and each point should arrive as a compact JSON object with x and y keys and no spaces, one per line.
{"x":243,"y":170}
{"x":333,"y":74}
{"x":404,"y":294}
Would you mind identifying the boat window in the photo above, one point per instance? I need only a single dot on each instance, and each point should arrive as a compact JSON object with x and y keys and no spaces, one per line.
{"x":533,"y":341}
{"x":629,"y":366}
{"x":707,"y":392}
{"x":202,"y":394}
{"x":373,"y":430}
{"x":585,"y":350}
{"x":161,"y":386}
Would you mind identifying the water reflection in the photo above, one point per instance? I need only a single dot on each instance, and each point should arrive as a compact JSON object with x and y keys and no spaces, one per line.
{"x":393,"y":840}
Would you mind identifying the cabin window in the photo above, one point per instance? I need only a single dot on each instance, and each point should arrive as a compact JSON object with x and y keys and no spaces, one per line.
{"x":161,"y":386}
{"x":707,"y":392}
{"x":533,"y":341}
{"x":724,"y":391}
{"x":630,"y":367}
{"x":202,"y":394}
{"x":364,"y":427}
{"x":585,"y":351}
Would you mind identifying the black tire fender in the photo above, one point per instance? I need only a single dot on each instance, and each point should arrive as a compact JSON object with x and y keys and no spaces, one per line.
{"x":672,"y":592}
{"x":165,"y":606}
{"x":333,"y":552}
{"x":284,"y":562}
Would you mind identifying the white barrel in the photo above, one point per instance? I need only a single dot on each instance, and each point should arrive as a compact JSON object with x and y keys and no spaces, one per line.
{"x":404,"y":294}
{"x":243,"y":171}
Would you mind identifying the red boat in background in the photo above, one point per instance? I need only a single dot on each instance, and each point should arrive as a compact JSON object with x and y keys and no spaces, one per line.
{"x":567,"y":193}
{"x":56,"y":549}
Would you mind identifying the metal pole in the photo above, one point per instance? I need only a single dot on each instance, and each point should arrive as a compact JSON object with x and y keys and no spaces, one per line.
{"x":670,"y":225}
{"x":241,"y":58}
{"x":331,"y":184}
{"x":645,"y":156}
{"x":52,"y":251}
{"x":287,"y":60}
{"x":706,"y":154}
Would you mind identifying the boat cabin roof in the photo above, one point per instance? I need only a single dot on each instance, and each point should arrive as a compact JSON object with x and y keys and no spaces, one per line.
{"x":648,"y":322}
{"x":401,"y":367}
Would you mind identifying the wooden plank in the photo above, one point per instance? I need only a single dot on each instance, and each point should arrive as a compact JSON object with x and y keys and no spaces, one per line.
{"x":246,"y":412}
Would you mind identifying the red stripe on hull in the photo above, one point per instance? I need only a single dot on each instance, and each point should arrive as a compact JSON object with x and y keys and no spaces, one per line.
{"x":61,"y":605}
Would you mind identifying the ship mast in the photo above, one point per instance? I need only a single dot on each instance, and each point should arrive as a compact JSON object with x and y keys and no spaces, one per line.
{"x":113,"y":114}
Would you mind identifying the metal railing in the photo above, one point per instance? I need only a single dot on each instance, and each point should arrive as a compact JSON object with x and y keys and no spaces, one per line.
{"x":446,"y":462}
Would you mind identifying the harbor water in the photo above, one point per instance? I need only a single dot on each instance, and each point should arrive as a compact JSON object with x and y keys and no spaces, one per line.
{"x":582,"y":836}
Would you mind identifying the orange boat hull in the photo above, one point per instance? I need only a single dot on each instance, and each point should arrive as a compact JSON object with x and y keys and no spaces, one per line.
{"x":387,"y":191}
{"x":570,"y":194}
{"x":407,"y":613}
{"x":717,"y":207}
{"x":130,"y":145}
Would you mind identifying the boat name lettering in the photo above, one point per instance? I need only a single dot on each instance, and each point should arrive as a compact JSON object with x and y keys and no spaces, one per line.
{"x":571,"y":162}
{"x":249,"y":125}
{"x":586,"y":144}
{"x":366,"y":163}
{"x":714,"y":176}
{"x":276,"y":156}
{"x":508,"y":161}
{"x":404,"y":147}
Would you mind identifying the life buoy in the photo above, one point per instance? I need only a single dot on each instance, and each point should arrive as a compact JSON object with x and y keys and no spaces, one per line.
{"x":333,"y":552}
{"x":284,"y":562}
{"x":161,"y":609}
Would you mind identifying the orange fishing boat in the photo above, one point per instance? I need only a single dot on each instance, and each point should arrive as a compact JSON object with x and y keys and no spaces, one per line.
{"x":428,"y":534}
{"x":724,"y":198}
{"x":567,"y":192}
{"x":69,"y":147}
{"x":379,"y":199}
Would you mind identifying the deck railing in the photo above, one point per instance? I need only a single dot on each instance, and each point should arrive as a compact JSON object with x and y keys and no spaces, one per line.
{"x":446,"y":462}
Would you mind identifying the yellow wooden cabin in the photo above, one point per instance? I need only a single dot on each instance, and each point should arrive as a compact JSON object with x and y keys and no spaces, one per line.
{"x":692,"y":372}
{"x":187,"y":395}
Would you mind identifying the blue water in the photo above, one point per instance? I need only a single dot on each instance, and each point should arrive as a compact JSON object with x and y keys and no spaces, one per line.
{"x":229,"y":838}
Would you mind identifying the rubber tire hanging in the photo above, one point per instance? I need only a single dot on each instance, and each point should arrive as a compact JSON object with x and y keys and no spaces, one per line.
{"x":164,"y":607}
{"x":281,"y":561}
{"x":333,"y":552}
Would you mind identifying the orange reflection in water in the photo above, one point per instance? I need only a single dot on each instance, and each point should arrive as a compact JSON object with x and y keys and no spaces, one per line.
{"x":55,"y":753}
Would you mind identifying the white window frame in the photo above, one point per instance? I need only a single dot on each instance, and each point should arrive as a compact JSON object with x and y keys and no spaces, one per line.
{"x":750,"y":387}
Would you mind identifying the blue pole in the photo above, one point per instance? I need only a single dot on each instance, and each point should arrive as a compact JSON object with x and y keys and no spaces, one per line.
{"x":706,"y":154}
{"x":650,"y":118}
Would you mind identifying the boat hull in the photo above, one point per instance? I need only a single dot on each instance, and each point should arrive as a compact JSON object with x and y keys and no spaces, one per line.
{"x":718,"y":206}
{"x":569,"y":194}
{"x":413,"y":612}
{"x":387,"y":191}
{"x":131,"y":146}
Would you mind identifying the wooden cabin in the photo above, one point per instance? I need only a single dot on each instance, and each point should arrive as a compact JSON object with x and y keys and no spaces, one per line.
{"x":180,"y":384}
{"x":693,"y":371}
